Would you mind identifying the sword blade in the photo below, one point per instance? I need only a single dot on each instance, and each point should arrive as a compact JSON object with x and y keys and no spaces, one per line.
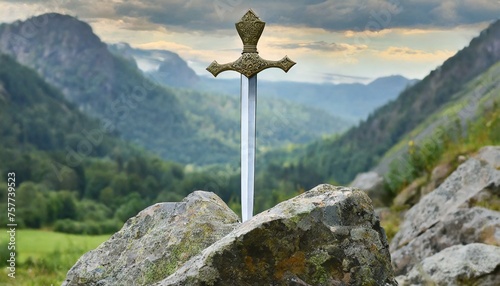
{"x":248,"y":110}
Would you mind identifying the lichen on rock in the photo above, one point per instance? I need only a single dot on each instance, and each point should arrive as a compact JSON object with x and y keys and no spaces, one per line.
{"x":154,"y":243}
{"x":326,"y":236}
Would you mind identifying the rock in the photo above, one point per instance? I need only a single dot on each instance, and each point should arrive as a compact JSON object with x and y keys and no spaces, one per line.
{"x":463,"y":226}
{"x":409,"y":195}
{"x":326,"y":236}
{"x":447,"y":215}
{"x":472,"y":264}
{"x":461,"y":159}
{"x":154,"y":243}
{"x":438,"y":175}
{"x":420,"y":187}
{"x":373,"y":184}
{"x":490,"y":155}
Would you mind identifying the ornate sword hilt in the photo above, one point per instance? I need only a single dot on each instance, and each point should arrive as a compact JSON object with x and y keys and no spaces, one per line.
{"x":250,"y":28}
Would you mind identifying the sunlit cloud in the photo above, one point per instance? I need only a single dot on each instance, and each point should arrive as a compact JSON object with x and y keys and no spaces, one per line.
{"x":327,"y":38}
{"x":318,"y":45}
{"x":408,"y":54}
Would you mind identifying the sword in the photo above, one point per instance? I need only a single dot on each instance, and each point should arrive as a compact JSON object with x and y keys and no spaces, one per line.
{"x":249,"y":28}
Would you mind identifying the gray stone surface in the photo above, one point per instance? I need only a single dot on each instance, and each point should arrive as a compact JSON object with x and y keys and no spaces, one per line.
{"x":438,"y":175}
{"x":449,"y":216}
{"x":468,"y":180}
{"x":326,"y":236}
{"x":471,"y":264}
{"x":463,"y":226}
{"x":154,"y":243}
{"x":491,"y":155}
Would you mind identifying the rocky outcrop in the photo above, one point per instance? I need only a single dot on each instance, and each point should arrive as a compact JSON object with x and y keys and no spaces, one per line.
{"x":472,"y":264}
{"x":438,"y":175}
{"x":410,"y":195}
{"x":153,"y":244}
{"x":463,"y":226}
{"x":449,"y":217}
{"x":420,"y":187}
{"x":326,"y":236}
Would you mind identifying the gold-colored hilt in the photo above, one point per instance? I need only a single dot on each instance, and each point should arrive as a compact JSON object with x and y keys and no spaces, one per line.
{"x":250,"y":28}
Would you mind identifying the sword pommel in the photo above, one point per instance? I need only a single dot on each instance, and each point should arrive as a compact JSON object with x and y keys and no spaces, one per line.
{"x":250,"y":28}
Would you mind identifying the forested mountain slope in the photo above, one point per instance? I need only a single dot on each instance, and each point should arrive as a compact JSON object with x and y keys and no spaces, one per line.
{"x":69,"y":167}
{"x":362,"y":147}
{"x":174,"y":123}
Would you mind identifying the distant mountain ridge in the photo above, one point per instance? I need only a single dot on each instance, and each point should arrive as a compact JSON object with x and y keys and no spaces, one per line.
{"x":353,"y":102}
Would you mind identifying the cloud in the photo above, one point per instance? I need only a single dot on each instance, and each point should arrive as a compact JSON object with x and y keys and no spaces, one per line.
{"x":164,"y":45}
{"x":408,"y":54}
{"x":333,"y":15}
{"x":344,"y":78}
{"x":318,"y":45}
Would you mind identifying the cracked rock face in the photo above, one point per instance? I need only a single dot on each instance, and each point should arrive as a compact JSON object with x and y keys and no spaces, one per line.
{"x":471,"y":264}
{"x":154,"y":243}
{"x":326,"y":236}
{"x":450,"y":217}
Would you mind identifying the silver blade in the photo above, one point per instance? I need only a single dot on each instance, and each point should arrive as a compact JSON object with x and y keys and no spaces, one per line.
{"x":248,"y":107}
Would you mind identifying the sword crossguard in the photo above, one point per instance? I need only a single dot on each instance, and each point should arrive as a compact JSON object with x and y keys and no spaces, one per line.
{"x":250,"y":28}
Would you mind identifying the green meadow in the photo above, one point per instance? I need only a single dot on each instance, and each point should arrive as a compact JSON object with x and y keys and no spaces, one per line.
{"x":44,"y":257}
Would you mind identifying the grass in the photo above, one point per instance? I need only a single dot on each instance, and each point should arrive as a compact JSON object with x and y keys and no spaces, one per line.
{"x":44,"y":257}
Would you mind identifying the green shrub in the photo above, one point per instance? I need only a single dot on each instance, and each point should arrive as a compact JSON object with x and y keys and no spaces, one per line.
{"x":87,"y":227}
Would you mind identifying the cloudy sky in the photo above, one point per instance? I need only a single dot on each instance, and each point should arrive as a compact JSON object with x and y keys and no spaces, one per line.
{"x":331,"y":40}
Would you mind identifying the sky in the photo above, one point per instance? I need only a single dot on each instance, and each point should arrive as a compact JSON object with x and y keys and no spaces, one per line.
{"x":331,"y":40}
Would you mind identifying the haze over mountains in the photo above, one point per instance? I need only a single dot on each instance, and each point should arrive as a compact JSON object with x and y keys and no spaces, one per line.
{"x":353,"y":102}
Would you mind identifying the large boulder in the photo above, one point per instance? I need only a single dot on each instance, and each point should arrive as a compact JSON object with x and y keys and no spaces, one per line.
{"x":471,"y":264}
{"x":450,"y":215}
{"x":463,"y":226}
{"x":154,"y":243}
{"x":326,"y":236}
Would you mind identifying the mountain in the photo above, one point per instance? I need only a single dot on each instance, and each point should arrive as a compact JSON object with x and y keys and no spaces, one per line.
{"x":59,"y":156}
{"x":162,"y":66}
{"x":179,"y":124}
{"x":353,"y":102}
{"x":464,"y":76}
{"x":35,"y":116}
{"x":350,"y":101}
